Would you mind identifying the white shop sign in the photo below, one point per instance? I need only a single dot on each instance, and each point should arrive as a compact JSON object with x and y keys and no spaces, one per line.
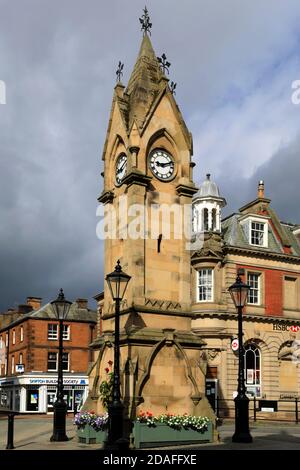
{"x":51,"y":381}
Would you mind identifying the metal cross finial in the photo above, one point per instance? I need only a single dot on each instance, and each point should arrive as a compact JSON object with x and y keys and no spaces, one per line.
{"x":119,"y":71}
{"x":145,"y":22}
{"x":173,"y":85}
{"x":164,"y":64}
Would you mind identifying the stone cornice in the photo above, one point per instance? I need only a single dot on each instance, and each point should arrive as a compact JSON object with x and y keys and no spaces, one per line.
{"x":262,"y":254}
{"x":137,"y":178}
{"x":106,"y":197}
{"x":248,"y":317}
{"x":184,"y":190}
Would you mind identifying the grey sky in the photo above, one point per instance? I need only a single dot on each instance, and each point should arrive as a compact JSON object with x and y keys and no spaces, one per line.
{"x":233,"y":61}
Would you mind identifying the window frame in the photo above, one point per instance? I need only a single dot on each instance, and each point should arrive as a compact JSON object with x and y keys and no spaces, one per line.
{"x":56,"y":361}
{"x":257,"y":384}
{"x":48,"y":332}
{"x":205,"y":286}
{"x":258,"y":289}
{"x":68,"y":335}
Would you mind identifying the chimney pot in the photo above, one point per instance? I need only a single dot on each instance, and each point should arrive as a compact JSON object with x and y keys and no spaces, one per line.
{"x":261,"y":189}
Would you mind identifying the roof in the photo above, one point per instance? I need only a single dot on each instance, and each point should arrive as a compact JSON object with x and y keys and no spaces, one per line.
{"x":234,"y":235}
{"x":46,"y":313}
{"x":208,"y":189}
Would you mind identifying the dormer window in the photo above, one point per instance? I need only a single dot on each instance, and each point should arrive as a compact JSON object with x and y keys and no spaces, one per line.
{"x":256,"y":230}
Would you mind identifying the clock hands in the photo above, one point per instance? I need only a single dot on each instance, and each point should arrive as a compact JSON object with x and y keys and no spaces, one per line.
{"x":164,"y":164}
{"x":119,"y":170}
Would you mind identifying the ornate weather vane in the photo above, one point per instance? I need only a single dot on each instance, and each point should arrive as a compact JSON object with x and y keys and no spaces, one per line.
{"x":173,"y":85}
{"x":145,"y":22}
{"x":164,"y":64}
{"x":119,"y":71}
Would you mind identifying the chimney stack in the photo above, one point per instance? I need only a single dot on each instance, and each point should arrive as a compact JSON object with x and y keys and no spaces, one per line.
{"x":34,"y":302}
{"x":261,"y":190}
{"x":82,"y":303}
{"x":24,"y":308}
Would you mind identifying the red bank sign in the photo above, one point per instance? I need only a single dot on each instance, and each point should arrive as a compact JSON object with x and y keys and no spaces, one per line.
{"x":284,"y":327}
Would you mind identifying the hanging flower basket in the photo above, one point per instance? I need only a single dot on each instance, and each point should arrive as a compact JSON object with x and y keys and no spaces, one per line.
{"x":168,"y":429}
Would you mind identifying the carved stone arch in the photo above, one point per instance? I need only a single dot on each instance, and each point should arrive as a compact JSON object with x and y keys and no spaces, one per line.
{"x":97,"y":363}
{"x":286,"y":349}
{"x":163,"y":139}
{"x":260,"y":343}
{"x":156,"y":348}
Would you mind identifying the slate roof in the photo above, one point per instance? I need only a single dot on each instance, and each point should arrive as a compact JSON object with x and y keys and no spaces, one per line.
{"x":46,"y":313}
{"x":235,"y":236}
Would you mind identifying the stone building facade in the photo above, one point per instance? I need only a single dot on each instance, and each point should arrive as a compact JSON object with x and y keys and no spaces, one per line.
{"x":178,"y":322}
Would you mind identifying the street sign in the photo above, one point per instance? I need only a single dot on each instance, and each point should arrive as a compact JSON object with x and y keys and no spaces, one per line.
{"x":235,"y":344}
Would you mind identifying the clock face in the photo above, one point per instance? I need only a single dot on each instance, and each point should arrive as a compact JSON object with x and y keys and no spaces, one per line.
{"x":121,"y":168}
{"x":162,"y":165}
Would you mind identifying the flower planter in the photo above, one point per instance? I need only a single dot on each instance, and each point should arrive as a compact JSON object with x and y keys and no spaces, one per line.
{"x":163,"y":435}
{"x":88,"y":435}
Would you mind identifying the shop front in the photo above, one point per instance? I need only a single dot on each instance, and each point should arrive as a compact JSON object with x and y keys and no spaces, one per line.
{"x":37,"y":393}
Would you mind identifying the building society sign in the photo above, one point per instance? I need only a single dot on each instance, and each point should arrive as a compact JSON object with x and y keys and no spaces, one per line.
{"x":45,"y":381}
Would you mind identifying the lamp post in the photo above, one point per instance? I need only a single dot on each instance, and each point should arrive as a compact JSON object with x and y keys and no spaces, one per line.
{"x":117,"y":282}
{"x":239,"y":293}
{"x":61,"y":308}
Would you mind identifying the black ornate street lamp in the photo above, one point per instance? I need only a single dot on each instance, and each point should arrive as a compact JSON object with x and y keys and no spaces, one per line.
{"x":117,"y":282}
{"x":239,"y":293}
{"x":61,"y":308}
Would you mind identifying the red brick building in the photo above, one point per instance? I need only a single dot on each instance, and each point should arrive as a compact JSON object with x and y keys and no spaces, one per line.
{"x":29,"y":355}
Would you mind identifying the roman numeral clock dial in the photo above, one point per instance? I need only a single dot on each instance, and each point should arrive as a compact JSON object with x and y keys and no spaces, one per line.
{"x":162,"y":165}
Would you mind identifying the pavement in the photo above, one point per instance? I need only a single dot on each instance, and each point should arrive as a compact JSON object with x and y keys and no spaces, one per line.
{"x":34,"y":432}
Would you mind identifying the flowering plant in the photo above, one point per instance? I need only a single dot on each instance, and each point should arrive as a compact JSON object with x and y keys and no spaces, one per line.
{"x":185,"y":421}
{"x":98,"y":422}
{"x":106,"y":386}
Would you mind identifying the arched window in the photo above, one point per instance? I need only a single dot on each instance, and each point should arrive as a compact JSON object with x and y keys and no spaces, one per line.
{"x":205,"y":220}
{"x":253,"y":369}
{"x":214,"y":219}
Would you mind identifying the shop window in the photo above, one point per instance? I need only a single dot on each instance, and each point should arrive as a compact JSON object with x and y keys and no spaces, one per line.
{"x":254,"y":291}
{"x":14,"y":337}
{"x":205,"y":285}
{"x":52,"y":331}
{"x":21,"y":334}
{"x":253,"y":370}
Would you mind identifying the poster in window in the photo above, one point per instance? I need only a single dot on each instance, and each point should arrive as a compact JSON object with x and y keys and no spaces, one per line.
{"x":250,"y":376}
{"x":33,"y":398}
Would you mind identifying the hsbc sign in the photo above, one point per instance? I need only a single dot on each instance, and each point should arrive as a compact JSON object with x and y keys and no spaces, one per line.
{"x":285,"y":327}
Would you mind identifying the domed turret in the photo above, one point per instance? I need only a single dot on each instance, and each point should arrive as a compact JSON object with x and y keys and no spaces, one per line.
{"x":207,"y":204}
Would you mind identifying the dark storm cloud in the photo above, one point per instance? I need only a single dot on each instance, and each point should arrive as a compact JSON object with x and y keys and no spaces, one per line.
{"x":58,"y":59}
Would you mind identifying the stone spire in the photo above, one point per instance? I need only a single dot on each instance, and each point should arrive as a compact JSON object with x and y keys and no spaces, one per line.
{"x":145,"y":83}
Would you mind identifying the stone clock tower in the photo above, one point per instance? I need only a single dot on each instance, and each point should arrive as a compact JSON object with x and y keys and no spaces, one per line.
{"x":147,"y":194}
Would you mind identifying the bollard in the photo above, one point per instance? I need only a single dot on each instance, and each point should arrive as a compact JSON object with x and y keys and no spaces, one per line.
{"x":10,"y":431}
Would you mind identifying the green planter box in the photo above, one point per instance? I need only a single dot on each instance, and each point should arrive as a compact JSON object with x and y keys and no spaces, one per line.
{"x":88,"y":435}
{"x":163,"y":435}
